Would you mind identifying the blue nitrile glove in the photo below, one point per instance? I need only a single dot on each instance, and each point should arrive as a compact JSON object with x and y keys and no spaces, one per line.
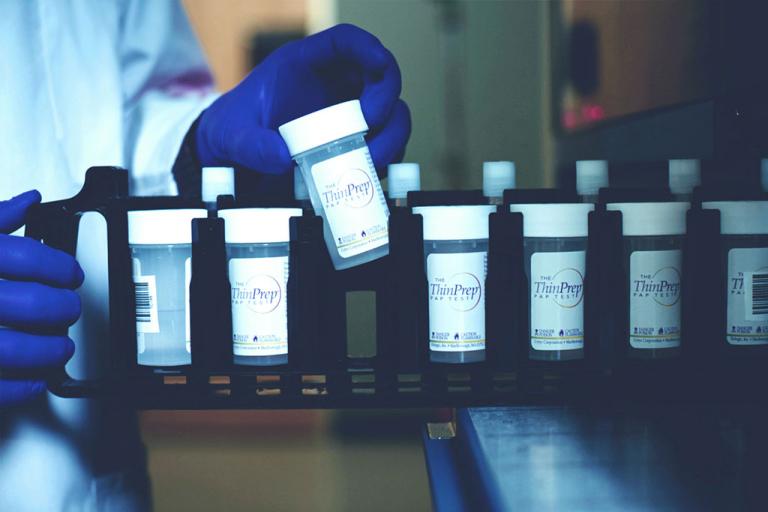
{"x":36,"y":300}
{"x":336,"y":65}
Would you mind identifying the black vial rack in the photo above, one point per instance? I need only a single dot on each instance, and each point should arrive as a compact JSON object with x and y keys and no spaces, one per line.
{"x":321,"y":374}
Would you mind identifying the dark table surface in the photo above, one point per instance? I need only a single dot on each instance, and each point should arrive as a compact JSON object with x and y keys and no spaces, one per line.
{"x":671,"y":457}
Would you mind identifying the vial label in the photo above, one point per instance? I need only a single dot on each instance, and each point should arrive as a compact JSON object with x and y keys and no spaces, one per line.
{"x":557,"y":300}
{"x":187,"y":280}
{"x":456,"y":301}
{"x":259,"y":310}
{"x":146,"y":303}
{"x":654,"y":299}
{"x":354,"y":204}
{"x":747,"y":296}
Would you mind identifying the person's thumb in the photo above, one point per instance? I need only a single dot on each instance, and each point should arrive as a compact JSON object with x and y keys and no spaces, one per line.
{"x":13,"y":211}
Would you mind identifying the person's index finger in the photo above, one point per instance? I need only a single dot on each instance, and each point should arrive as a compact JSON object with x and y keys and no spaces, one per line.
{"x":378,"y":69}
{"x":13,"y":211}
{"x":345,"y":43}
{"x":25,"y":259}
{"x":380,"y":94}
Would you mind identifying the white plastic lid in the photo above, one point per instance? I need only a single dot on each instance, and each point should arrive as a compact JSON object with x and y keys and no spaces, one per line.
{"x":554,"y":220}
{"x":160,"y":227}
{"x":324,"y":126}
{"x":684,"y":176}
{"x":258,"y":225}
{"x":217,"y":181}
{"x":741,"y":217}
{"x":403,"y":178}
{"x":652,"y":219}
{"x":591,"y":176}
{"x":498,"y":177}
{"x":455,"y":222}
{"x":300,"y":192}
{"x":764,"y":174}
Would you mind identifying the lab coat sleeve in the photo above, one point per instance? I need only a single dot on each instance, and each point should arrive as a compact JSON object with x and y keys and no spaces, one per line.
{"x":166,"y":84}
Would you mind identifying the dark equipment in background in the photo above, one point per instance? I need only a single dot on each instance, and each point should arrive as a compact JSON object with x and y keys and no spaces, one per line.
{"x":675,"y":79}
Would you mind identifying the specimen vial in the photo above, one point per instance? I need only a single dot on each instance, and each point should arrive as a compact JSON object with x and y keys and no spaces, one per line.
{"x":401,"y":179}
{"x":456,"y":258}
{"x":217,"y":181}
{"x":160,"y":242}
{"x":591,"y":176}
{"x":555,"y":249}
{"x":329,"y":148}
{"x":684,"y":176}
{"x":257,"y":242}
{"x":744,"y":249}
{"x":653,"y":260}
{"x":497,"y":177}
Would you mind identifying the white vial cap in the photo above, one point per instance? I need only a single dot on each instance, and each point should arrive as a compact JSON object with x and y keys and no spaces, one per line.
{"x":162,"y":227}
{"x":258,"y":225}
{"x":764,"y":174}
{"x":498,"y":177}
{"x":684,"y":176}
{"x":300,"y":192}
{"x":217,"y":181}
{"x":324,"y":126}
{"x":455,"y":222}
{"x":651,"y":219}
{"x":403,"y":178}
{"x":591,"y":176}
{"x":554,"y":220}
{"x":741,"y":217}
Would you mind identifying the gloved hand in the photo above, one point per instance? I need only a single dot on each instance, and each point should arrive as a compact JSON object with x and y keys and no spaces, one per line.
{"x":336,"y":65}
{"x":36,"y":301}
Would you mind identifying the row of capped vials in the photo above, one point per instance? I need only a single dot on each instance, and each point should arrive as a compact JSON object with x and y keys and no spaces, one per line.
{"x":343,"y":188}
{"x":456,"y":239}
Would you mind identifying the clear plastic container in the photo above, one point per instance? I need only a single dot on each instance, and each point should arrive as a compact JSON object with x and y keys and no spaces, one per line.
{"x":684,"y":176}
{"x":555,"y":249}
{"x":456,"y":260}
{"x":160,"y":242}
{"x":257,"y":243}
{"x":744,"y":248}
{"x":401,"y":179}
{"x":591,"y":176}
{"x":497,"y":177}
{"x":329,"y":148}
{"x":653,"y":259}
{"x":217,"y":181}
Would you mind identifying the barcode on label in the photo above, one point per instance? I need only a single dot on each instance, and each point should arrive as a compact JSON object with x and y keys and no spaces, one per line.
{"x":143,"y":303}
{"x":146,"y":304}
{"x":756,"y":294}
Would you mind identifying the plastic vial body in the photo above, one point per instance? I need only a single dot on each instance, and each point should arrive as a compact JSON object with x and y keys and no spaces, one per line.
{"x":258,"y":274}
{"x":745,"y":258}
{"x":744,"y":253}
{"x":684,"y":176}
{"x":161,"y":275}
{"x":591,"y":176}
{"x":554,"y":269}
{"x":654,"y":268}
{"x":456,"y":319}
{"x":498,"y":177}
{"x":402,"y":178}
{"x":351,"y":240}
{"x":329,"y":148}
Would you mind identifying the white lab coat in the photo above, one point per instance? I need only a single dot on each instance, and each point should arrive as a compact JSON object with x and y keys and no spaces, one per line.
{"x":83,"y":83}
